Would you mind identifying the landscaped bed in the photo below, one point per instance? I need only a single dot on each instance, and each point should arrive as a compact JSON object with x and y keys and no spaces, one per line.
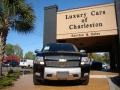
{"x":7,"y":80}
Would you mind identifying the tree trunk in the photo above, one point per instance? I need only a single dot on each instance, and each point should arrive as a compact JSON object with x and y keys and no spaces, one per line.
{"x":3,"y":35}
{"x":1,"y":54}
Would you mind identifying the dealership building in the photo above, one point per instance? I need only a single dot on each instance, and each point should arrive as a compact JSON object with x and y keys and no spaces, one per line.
{"x":93,"y":28}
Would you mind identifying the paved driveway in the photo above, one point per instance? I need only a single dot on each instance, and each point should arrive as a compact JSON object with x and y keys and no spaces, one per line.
{"x":98,"y":81}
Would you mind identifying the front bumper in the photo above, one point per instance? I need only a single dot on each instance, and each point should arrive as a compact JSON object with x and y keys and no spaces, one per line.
{"x":50,"y":73}
{"x":62,"y":73}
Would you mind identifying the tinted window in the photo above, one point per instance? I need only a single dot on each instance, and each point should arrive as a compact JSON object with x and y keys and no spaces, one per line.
{"x":60,"y":47}
{"x":23,"y":60}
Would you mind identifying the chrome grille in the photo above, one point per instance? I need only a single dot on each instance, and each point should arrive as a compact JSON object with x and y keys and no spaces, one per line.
{"x":59,"y":57}
{"x":53,"y":63}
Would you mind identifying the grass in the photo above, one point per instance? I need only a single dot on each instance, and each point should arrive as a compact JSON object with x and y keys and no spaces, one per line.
{"x":7,"y":80}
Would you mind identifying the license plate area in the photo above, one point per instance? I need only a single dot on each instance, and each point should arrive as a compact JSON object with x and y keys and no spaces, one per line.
{"x":62,"y":75}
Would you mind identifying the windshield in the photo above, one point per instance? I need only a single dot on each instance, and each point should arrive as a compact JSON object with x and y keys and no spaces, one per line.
{"x":60,"y":47}
{"x":22,"y":60}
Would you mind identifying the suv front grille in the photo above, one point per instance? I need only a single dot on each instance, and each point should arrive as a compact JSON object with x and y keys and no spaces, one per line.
{"x":54,"y":63}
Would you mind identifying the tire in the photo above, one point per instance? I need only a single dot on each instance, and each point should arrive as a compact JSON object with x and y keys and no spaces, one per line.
{"x":28,"y":66}
{"x":85,"y":82}
{"x":35,"y":81}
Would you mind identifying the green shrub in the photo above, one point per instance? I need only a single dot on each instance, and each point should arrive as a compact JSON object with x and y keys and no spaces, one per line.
{"x":5,"y":81}
{"x":14,"y":75}
{"x":10,"y":71}
{"x":9,"y":78}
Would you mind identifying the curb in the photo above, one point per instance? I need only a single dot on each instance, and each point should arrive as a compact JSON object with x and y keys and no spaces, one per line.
{"x":112,"y":85}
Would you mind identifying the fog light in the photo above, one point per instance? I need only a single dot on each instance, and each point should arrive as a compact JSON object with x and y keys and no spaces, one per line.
{"x":49,"y":75}
{"x":75,"y":75}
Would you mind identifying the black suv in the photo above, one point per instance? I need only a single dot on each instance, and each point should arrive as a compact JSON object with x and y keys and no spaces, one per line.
{"x":60,"y":61}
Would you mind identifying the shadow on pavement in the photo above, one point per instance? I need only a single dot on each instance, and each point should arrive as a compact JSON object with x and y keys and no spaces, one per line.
{"x":116,"y":80}
{"x":61,"y":83}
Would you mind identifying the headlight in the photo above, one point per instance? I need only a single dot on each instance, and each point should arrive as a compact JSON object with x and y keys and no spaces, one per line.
{"x":85,"y":60}
{"x":39,"y":60}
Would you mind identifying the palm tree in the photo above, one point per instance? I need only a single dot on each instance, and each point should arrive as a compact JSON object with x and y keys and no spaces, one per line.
{"x":14,"y":15}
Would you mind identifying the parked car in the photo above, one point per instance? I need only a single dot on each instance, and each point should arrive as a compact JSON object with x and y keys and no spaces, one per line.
{"x":105,"y":66}
{"x":60,"y":61}
{"x":96,"y":65}
{"x":11,"y":60}
{"x":5,"y":64}
{"x":26,"y":63}
{"x":13,"y":63}
{"x":10,"y":64}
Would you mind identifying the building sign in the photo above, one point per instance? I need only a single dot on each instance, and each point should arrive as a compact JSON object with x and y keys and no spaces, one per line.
{"x":87,"y":22}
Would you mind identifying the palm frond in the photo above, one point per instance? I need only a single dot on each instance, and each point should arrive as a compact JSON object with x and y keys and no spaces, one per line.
{"x":22,"y":20}
{"x":23,"y":27}
{"x":25,"y":19}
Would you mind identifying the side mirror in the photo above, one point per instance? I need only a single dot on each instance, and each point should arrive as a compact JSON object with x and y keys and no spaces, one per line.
{"x":37,"y":51}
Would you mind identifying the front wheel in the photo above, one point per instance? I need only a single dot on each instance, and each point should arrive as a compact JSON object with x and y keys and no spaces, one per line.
{"x":85,"y":82}
{"x":35,"y":81}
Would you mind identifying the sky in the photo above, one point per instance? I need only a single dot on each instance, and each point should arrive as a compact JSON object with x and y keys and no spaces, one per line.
{"x":34,"y":40}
